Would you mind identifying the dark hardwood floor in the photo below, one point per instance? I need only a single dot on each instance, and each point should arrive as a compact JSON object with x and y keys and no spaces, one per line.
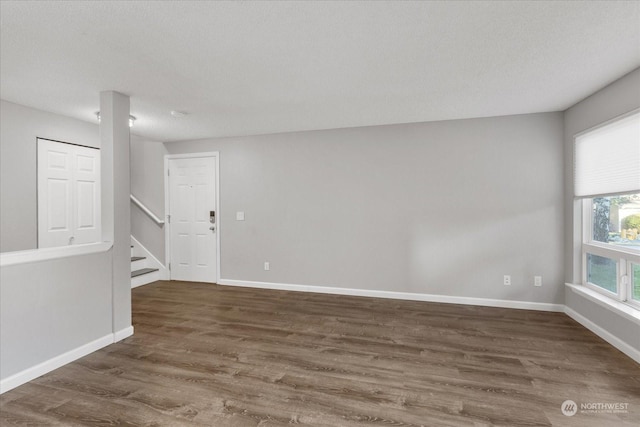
{"x":222,"y":356}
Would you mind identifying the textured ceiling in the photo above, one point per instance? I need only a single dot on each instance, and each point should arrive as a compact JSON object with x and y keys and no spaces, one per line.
{"x":241,"y":68}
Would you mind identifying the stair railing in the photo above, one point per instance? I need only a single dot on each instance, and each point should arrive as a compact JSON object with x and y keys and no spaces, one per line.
{"x":147,"y":211}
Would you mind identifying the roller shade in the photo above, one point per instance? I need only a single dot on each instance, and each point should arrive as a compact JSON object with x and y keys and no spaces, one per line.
{"x":607,"y":159}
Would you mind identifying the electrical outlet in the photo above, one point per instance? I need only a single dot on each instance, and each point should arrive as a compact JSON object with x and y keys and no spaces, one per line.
{"x":239,"y":216}
{"x":507,"y":280}
{"x":266,"y":266}
{"x":537,"y":281}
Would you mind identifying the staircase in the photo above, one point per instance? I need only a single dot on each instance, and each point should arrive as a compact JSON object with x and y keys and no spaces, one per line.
{"x":145,"y":268}
{"x":143,"y":271}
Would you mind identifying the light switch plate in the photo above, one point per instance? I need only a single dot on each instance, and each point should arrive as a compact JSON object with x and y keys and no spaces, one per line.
{"x":239,"y":216}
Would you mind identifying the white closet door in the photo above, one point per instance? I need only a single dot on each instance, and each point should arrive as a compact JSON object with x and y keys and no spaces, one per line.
{"x":86,"y":218}
{"x":68,"y":194}
{"x":55,"y":183}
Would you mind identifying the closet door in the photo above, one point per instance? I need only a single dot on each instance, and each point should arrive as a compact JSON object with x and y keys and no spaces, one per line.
{"x":68,"y":194}
{"x":86,"y":195}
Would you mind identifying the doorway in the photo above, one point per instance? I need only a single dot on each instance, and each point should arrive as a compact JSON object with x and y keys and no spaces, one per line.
{"x":192,"y":237}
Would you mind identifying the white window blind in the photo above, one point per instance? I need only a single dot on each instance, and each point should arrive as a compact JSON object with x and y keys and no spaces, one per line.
{"x":607,"y":159}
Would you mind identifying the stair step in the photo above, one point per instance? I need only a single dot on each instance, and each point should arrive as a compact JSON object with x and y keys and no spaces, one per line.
{"x":137,"y":258}
{"x":142,"y":271}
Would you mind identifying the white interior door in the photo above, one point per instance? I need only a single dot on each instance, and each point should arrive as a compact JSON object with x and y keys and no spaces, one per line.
{"x":68,"y":194}
{"x":87,"y":212}
{"x":193,"y":219}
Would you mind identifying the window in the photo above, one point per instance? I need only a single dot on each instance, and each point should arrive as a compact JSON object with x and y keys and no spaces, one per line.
{"x":602,"y":272}
{"x":611,"y":246}
{"x":607,"y":178}
{"x":635,"y":280}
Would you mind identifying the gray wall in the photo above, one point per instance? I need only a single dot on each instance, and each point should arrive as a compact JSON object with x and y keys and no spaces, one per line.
{"x":116,"y":210}
{"x":51,"y":307}
{"x":147,"y":184}
{"x":619,"y":326}
{"x":618,"y":98}
{"x":442,"y":207}
{"x":20,"y":128}
{"x":48,"y":308}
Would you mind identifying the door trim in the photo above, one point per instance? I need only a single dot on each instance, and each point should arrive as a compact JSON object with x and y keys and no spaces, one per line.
{"x":167,"y":228}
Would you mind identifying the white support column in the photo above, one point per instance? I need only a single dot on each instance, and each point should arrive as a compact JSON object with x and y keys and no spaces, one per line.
{"x":116,"y":188}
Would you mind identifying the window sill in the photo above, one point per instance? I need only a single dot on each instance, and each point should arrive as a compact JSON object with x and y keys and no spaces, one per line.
{"x":36,"y":255}
{"x":616,"y":307}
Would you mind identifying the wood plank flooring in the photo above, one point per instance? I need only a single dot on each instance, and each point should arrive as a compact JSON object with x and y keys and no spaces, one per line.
{"x":222,"y":356}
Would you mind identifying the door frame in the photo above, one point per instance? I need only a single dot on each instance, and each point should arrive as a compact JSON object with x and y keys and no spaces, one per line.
{"x":167,"y":222}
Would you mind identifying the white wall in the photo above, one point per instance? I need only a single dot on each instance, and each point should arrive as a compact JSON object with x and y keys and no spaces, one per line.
{"x":439,"y":208}
{"x":618,"y":98}
{"x":51,"y":307}
{"x":115,"y":142}
{"x":20,"y":128}
{"x":56,"y":310}
{"x":147,"y":184}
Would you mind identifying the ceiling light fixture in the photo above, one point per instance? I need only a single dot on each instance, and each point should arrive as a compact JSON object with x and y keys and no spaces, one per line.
{"x":132,"y":119}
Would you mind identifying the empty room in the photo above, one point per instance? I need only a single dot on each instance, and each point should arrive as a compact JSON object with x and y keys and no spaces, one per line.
{"x":322,"y":213}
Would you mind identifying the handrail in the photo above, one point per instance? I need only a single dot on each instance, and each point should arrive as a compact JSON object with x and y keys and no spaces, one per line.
{"x":146,"y":210}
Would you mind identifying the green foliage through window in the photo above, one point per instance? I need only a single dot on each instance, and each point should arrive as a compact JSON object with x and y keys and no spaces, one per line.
{"x":632,"y":221}
{"x":601,"y":221}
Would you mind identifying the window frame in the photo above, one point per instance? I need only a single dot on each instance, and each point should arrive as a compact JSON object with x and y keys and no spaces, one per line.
{"x":631,"y":301}
{"x":623,"y":257}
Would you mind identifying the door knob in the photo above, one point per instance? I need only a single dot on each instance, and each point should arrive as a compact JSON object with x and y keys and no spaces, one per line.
{"x":212,"y":228}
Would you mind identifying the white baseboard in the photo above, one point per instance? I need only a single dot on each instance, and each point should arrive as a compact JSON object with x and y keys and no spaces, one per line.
{"x":54,"y":363}
{"x":522,"y":305}
{"x":604,"y":334}
{"x":630,"y":351}
{"x":40,"y":369}
{"x":122,"y":334}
